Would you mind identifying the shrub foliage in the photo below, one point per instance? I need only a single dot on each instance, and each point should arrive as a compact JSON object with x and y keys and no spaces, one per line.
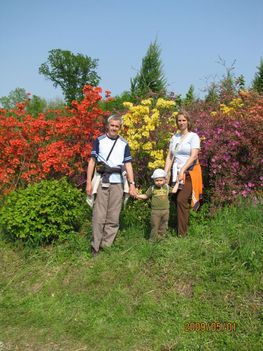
{"x":43,"y":212}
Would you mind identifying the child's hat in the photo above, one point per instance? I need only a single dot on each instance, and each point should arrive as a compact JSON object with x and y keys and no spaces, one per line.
{"x":159,"y":173}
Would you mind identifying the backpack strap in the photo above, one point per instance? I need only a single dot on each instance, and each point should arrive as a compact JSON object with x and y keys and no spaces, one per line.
{"x":112,"y":148}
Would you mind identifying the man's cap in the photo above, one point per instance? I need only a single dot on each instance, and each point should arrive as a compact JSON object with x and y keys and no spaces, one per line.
{"x":159,"y":173}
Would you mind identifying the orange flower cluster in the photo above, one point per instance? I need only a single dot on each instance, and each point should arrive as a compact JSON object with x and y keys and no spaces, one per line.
{"x":36,"y":148}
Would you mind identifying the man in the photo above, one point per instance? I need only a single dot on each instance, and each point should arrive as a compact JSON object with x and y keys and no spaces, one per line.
{"x":113,"y":153}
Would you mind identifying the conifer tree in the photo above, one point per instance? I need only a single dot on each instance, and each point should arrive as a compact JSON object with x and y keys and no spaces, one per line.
{"x":257,"y":83}
{"x":190,"y":97}
{"x":212,"y":94}
{"x":150,"y":79}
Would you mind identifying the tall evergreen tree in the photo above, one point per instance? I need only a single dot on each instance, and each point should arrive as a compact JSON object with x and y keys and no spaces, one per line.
{"x":190,"y":96}
{"x":150,"y":79}
{"x":240,"y":82}
{"x":257,"y":83}
{"x":212,"y":93}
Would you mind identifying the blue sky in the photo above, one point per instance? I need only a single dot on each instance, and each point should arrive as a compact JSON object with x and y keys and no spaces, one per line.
{"x":192,"y":35}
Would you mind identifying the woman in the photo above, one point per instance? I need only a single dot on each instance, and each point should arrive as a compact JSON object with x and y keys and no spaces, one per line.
{"x":183,"y":159}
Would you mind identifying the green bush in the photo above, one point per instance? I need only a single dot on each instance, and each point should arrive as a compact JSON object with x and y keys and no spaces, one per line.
{"x":135,"y":214}
{"x":43,"y":212}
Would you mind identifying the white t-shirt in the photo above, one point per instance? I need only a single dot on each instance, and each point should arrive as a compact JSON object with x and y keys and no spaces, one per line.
{"x":182,"y":148}
{"x":119,"y":155}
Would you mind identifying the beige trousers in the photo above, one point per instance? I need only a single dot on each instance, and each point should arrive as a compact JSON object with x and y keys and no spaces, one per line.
{"x":106,"y":213}
{"x":159,"y":223}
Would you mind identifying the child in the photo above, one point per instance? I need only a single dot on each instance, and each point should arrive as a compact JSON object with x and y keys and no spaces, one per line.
{"x":159,"y":203}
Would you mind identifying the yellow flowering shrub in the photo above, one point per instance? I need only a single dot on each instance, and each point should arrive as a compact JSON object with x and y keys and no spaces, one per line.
{"x":232,"y":106}
{"x":148,"y":128}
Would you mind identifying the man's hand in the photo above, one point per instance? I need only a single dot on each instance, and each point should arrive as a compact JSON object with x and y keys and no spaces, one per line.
{"x":133,"y":191}
{"x":89,"y":189}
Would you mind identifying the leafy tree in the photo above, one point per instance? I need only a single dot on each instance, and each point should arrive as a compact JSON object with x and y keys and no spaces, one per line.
{"x":257,"y":83}
{"x":116,"y":103}
{"x":36,"y":105}
{"x":53,"y":106}
{"x":70,"y":72}
{"x":33,"y":105}
{"x":15,"y":96}
{"x":150,"y":79}
{"x":56,"y":104}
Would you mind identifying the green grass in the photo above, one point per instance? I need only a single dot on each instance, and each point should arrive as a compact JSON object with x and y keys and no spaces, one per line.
{"x":138,"y":296}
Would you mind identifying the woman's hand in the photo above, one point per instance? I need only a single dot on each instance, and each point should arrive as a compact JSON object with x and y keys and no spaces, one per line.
{"x":181,"y":174}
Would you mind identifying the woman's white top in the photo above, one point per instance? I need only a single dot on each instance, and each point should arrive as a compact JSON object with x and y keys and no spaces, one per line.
{"x":181,"y":148}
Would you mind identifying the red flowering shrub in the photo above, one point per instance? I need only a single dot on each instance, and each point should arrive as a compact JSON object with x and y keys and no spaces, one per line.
{"x":36,"y":148}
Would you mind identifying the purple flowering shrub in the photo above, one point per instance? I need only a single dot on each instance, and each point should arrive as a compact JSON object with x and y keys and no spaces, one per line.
{"x":231,"y":149}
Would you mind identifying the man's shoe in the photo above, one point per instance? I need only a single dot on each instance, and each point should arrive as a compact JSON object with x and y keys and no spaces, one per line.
{"x":94,"y":253}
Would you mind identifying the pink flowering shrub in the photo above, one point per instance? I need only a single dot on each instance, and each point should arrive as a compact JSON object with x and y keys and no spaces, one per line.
{"x":231,"y":149}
